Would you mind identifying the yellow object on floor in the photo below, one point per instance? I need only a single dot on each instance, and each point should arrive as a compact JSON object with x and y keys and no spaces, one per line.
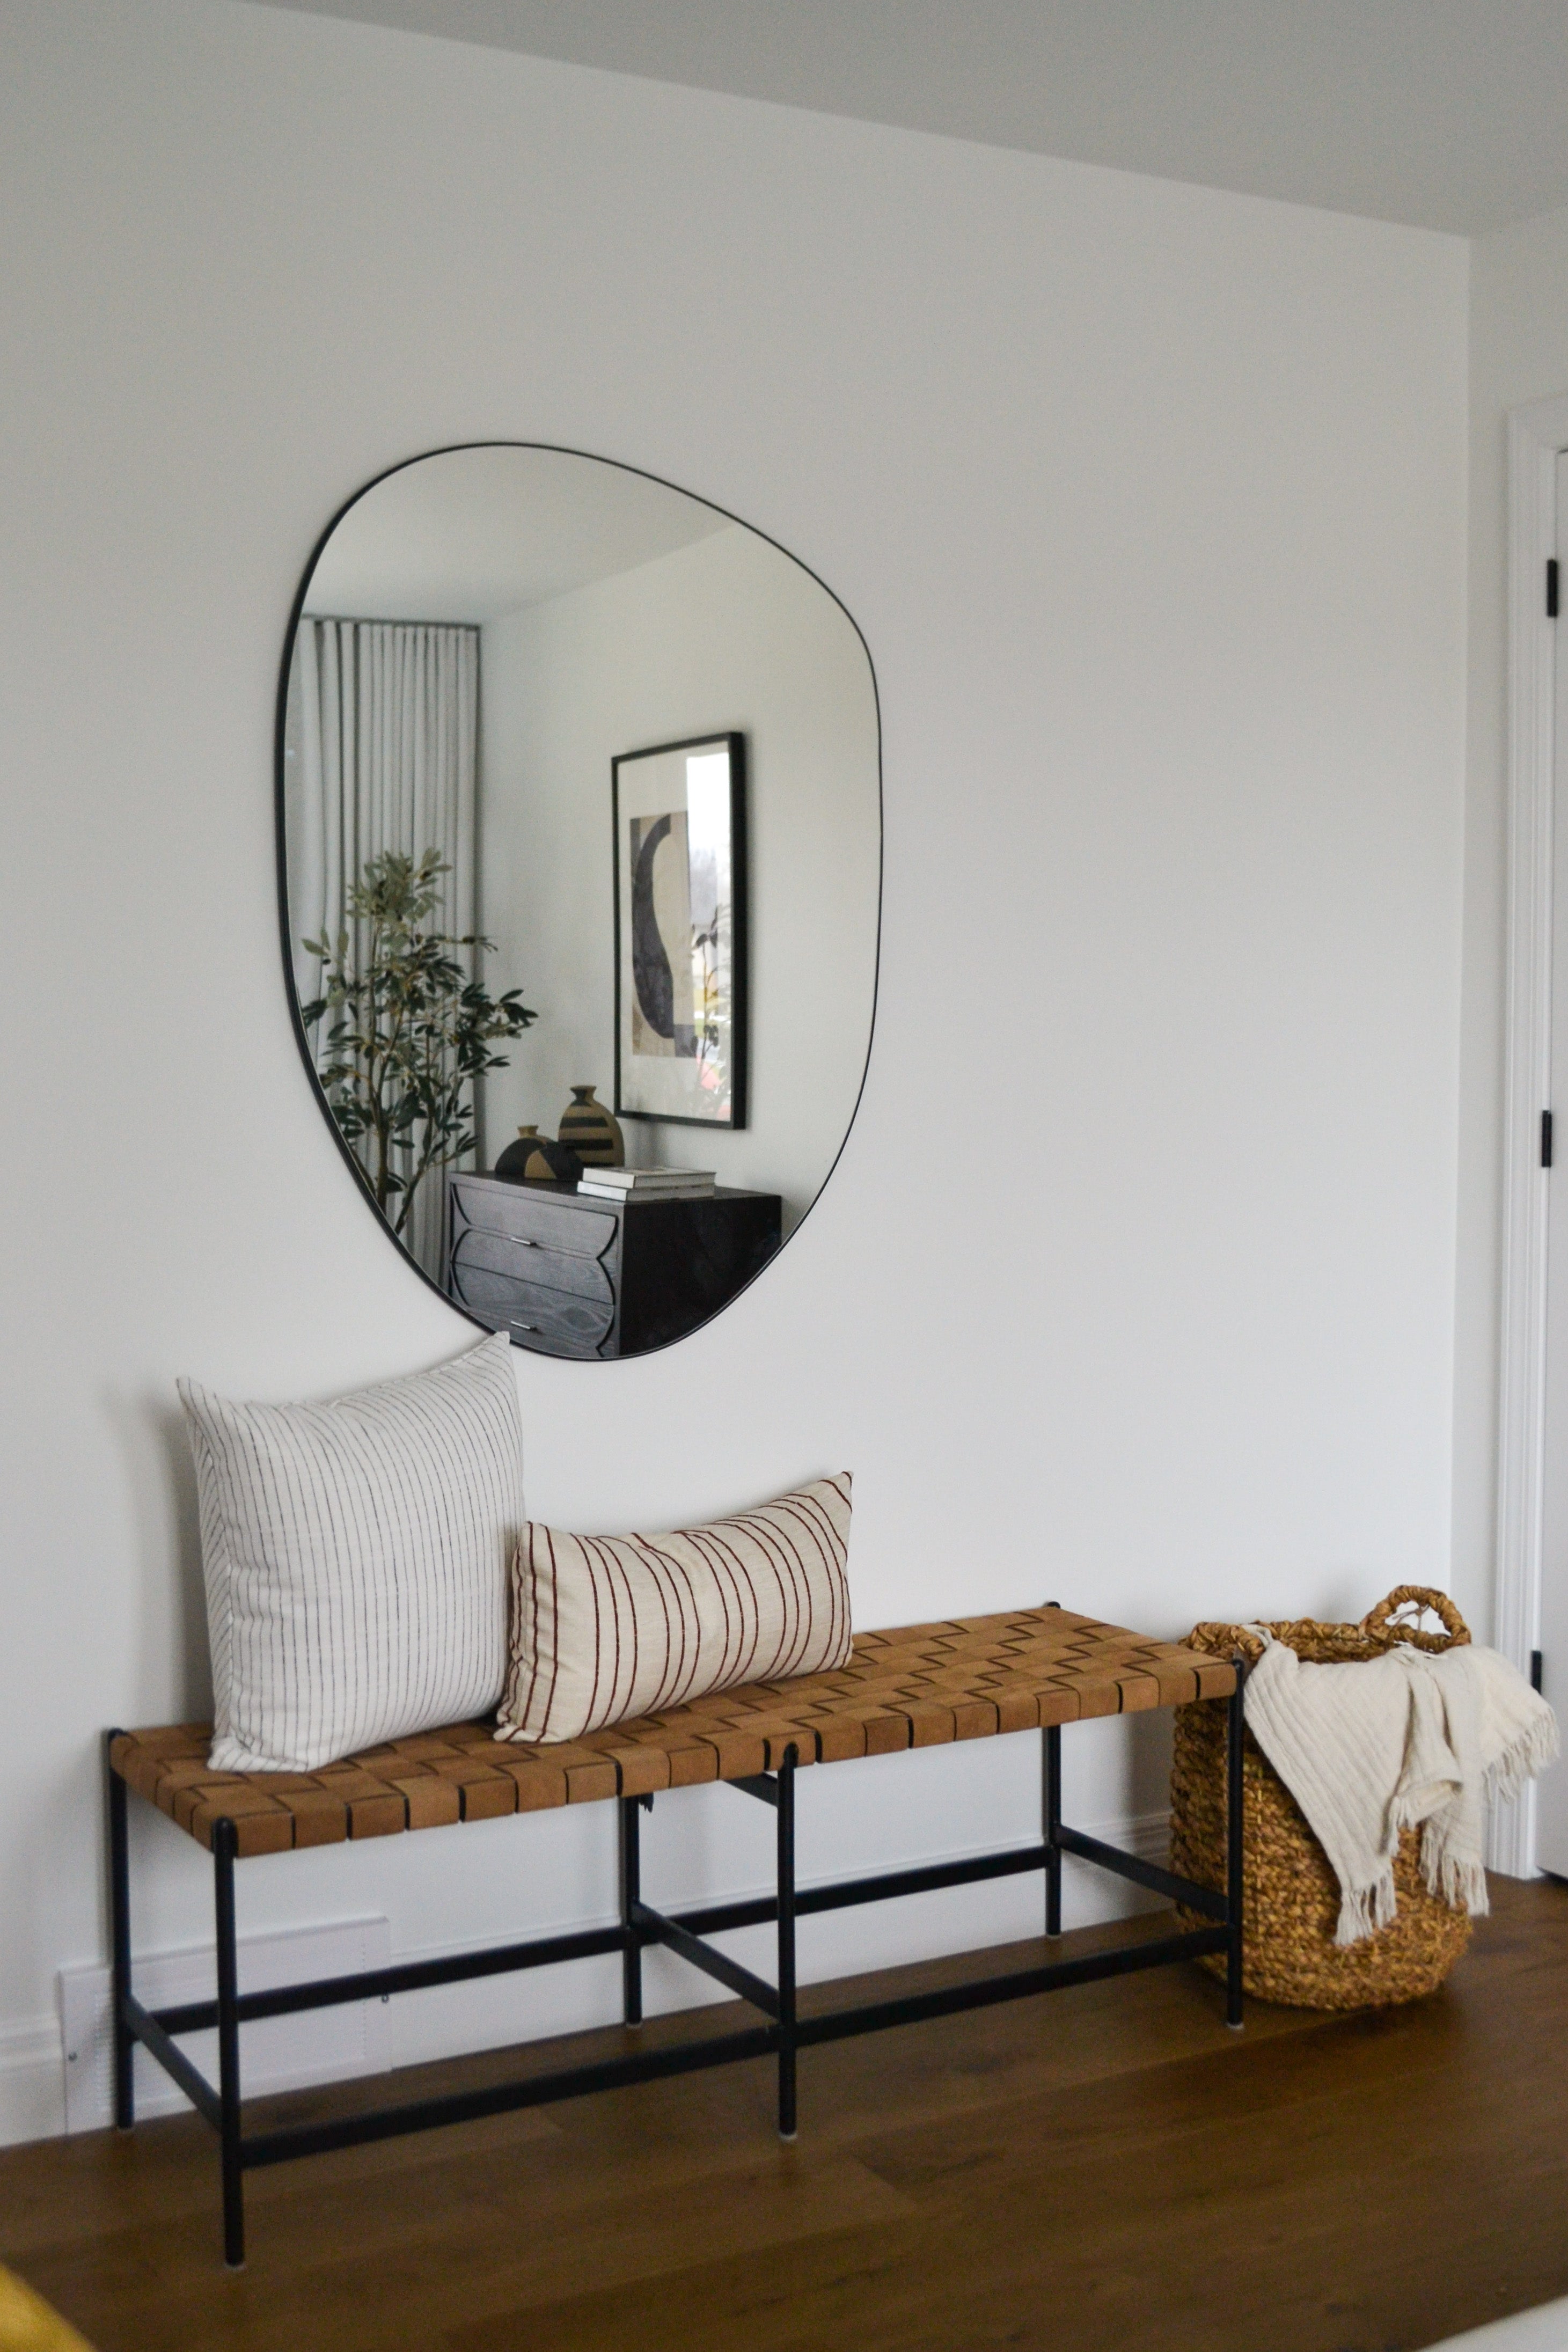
{"x":27,"y":2324}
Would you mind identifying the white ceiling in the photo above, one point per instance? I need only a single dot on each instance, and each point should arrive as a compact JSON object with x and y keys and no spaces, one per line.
{"x":1449,"y":114}
{"x":471,"y":534}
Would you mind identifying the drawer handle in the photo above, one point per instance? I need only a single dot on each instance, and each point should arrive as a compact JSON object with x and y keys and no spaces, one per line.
{"x":522,"y":1326}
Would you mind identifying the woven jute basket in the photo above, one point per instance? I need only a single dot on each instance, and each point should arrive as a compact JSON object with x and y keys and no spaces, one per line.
{"x":1291,"y":1898}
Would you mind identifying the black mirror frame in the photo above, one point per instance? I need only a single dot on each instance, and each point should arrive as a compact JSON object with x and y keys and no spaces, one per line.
{"x":281,"y":847}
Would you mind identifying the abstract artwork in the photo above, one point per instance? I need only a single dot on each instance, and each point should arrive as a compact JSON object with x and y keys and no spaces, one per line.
{"x":680,"y":965}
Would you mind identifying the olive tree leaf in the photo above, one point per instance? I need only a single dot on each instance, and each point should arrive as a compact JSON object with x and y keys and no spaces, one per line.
{"x":410,"y":1028}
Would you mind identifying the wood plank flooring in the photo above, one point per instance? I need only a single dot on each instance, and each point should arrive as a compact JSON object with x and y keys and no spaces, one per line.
{"x":1097,"y":2169}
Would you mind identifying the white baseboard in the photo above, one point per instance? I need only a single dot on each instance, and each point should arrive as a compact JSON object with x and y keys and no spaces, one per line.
{"x":1148,"y":1835}
{"x":278,"y":2054}
{"x":55,"y":2071}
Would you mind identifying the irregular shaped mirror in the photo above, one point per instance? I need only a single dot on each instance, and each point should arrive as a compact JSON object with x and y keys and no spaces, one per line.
{"x":580,"y":840}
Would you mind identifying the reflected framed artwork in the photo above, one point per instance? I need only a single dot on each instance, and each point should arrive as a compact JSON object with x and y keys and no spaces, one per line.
{"x":680,"y":812}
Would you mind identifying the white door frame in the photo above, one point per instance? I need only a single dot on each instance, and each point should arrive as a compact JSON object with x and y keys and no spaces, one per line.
{"x":1536,"y":436}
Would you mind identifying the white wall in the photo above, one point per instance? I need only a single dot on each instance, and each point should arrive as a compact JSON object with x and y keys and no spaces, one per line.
{"x":726,"y":634}
{"x":1149,"y":502}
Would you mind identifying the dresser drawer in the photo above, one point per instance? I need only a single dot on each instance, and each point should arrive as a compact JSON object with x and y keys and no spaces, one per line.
{"x":556,"y":1320}
{"x":480,"y":1248}
{"x":524,"y":1215}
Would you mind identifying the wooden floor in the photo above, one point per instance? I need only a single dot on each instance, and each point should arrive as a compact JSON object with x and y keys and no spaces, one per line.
{"x":1102,"y":2168}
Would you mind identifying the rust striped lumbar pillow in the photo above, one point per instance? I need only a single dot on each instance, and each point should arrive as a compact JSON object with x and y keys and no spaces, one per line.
{"x":607,"y":1627}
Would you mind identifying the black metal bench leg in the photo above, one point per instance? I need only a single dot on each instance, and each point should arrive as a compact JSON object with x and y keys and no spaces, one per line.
{"x":1052,"y":1809}
{"x":630,"y":1846}
{"x":786,"y":1942}
{"x":1234,"y":1850}
{"x":119,"y":1943}
{"x":224,"y":1842}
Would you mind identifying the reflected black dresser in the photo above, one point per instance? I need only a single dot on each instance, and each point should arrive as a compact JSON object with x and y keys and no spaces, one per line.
{"x":570,"y":1276}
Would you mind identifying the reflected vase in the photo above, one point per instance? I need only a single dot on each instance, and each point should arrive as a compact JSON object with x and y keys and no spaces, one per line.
{"x":537,"y":1158}
{"x":592,"y":1132}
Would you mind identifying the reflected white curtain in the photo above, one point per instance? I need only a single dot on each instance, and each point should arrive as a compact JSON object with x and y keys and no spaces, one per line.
{"x":380,"y":753}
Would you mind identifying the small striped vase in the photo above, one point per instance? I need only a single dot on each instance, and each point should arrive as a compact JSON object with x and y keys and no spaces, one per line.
{"x":592,"y":1133}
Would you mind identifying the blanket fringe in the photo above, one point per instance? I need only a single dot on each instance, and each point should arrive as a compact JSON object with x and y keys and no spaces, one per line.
{"x":1365,"y":1909}
{"x":1461,"y":1884}
{"x":1536,"y":1747}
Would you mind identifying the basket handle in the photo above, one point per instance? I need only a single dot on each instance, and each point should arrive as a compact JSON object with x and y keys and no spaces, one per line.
{"x":1378,"y":1623}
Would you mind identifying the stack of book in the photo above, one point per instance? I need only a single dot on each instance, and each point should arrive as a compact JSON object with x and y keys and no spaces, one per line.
{"x":644,"y":1183}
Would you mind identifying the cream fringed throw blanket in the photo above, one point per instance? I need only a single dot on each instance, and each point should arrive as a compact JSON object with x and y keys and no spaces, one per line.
{"x":1414,"y":1738}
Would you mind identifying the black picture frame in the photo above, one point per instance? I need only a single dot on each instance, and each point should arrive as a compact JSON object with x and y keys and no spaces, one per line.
{"x":677,"y":1100}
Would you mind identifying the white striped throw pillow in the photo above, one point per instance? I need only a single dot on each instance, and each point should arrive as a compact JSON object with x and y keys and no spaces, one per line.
{"x":355,"y":1556}
{"x":606,"y":1627}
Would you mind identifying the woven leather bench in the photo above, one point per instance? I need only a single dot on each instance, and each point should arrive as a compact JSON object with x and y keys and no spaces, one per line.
{"x":922,"y":1685}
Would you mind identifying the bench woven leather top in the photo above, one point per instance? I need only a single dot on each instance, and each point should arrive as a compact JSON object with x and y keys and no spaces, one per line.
{"x":917,"y":1686}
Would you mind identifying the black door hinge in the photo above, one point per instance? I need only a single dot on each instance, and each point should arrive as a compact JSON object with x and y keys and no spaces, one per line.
{"x":1535,"y":1670}
{"x":1551,"y":587}
{"x":1546,"y":1138}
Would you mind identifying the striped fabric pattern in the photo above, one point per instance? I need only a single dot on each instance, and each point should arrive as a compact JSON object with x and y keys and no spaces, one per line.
{"x":355,"y":1556}
{"x":605,"y":1628}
